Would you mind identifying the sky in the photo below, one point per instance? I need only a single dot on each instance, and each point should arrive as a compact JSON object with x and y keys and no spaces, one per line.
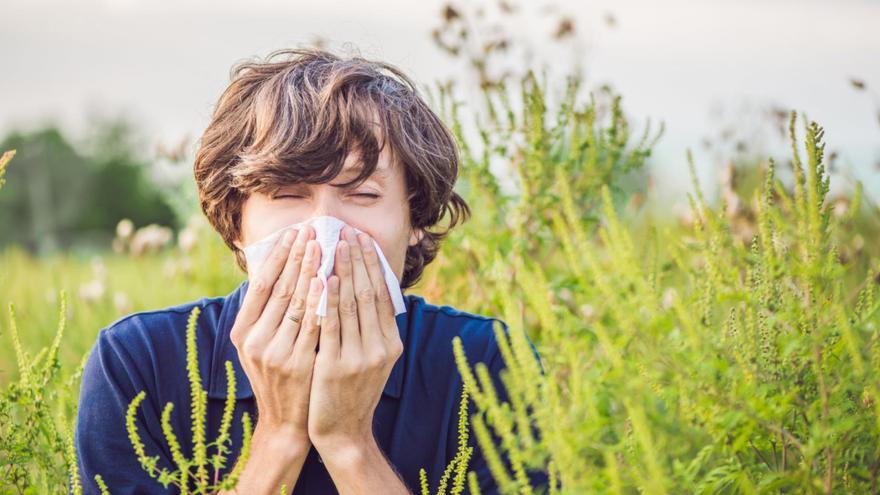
{"x":696,"y":66}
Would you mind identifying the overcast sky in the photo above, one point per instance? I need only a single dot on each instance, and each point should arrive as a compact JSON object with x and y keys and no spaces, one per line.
{"x":165,"y":62}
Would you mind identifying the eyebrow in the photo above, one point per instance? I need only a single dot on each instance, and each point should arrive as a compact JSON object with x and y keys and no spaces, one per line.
{"x":380,"y":174}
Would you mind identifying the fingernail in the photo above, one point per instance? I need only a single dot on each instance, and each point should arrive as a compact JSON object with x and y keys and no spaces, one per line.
{"x":343,"y":250}
{"x":349,"y":235}
{"x":288,"y":238}
{"x":365,"y":242}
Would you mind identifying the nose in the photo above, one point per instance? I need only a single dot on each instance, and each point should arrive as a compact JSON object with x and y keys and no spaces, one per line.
{"x":326,"y":203}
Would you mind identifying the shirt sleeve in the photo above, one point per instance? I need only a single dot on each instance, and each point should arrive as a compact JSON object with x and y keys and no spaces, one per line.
{"x":110,"y":381}
{"x":488,"y":486}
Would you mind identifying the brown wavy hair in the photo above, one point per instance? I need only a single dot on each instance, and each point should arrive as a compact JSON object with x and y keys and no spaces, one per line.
{"x":294,"y":117}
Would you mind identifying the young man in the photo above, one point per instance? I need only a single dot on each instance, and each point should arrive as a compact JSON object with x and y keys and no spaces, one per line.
{"x":360,"y":402}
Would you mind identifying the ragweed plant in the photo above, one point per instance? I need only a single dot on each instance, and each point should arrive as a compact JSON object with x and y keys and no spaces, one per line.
{"x":194,"y":470}
{"x":457,"y":467}
{"x":692,"y":362}
{"x":191,"y":475}
{"x":4,"y":160}
{"x":35,"y":414}
{"x":524,"y":138}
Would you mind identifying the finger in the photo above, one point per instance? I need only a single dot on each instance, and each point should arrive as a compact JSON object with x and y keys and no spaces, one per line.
{"x":291,"y":318}
{"x":368,"y":320}
{"x":285,"y":293}
{"x":261,"y":285}
{"x":330,"y":337}
{"x":384,"y":306}
{"x":307,"y":340}
{"x":348,"y":308}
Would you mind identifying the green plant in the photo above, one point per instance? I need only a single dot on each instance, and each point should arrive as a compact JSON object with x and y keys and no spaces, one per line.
{"x":35,"y":411}
{"x":194,"y":470}
{"x":693,"y":362}
{"x":458,"y":465}
{"x":4,"y":160}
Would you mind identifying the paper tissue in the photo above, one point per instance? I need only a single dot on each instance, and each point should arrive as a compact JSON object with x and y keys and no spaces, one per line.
{"x":327,"y":230}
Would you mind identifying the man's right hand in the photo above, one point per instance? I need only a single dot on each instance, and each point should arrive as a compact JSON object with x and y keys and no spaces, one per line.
{"x":276,"y":334}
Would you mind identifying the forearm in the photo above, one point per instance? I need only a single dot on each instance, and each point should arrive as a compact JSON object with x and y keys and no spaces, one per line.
{"x":361,"y":469}
{"x":275,"y":459}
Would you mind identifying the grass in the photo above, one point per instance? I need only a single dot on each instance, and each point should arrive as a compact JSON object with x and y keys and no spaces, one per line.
{"x":731,"y":352}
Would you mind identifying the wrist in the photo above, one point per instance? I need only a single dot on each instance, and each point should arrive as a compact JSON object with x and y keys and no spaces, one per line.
{"x":346,"y":450}
{"x":283,"y":441}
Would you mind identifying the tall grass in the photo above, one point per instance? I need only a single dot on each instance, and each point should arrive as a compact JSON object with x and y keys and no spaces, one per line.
{"x":694,"y":357}
{"x":689,"y":361}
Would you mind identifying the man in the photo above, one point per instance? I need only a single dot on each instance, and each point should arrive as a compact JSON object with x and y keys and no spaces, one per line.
{"x":360,"y":402}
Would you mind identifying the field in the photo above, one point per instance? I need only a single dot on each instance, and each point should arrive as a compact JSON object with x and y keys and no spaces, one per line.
{"x":734,"y":349}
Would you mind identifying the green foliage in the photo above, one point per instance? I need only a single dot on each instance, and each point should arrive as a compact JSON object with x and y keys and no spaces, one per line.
{"x":4,"y":161}
{"x":589,"y":143}
{"x":35,"y":411}
{"x":459,"y":463}
{"x":710,"y":365}
{"x":72,"y":195}
{"x":194,"y":471}
{"x":737,"y":352}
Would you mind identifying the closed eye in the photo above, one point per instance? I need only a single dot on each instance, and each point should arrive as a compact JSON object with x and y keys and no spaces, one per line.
{"x":373,"y":196}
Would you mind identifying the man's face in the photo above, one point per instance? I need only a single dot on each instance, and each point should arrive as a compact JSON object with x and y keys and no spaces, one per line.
{"x":384,"y":218}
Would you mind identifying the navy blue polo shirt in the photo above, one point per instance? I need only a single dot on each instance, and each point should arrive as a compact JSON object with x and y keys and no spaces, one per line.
{"x":415,"y":422}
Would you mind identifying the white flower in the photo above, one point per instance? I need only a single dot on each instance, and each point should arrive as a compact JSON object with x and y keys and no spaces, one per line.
{"x":186,"y":239}
{"x":92,"y":291}
{"x":124,"y":228}
{"x":122,"y":303}
{"x":150,"y":238}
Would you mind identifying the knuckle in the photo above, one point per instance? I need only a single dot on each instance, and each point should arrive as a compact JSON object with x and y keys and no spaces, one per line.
{"x":396,"y":348}
{"x":376,"y":359}
{"x":348,"y":307}
{"x":273,"y":362}
{"x":299,"y":251}
{"x":383,"y":295}
{"x":310,"y":329}
{"x":250,"y":348}
{"x":235,"y":336}
{"x":332,"y":324}
{"x":297,"y":303}
{"x":371,"y":257}
{"x":260,"y":285}
{"x":298,"y":259}
{"x":279,"y":254}
{"x":283,"y":290}
{"x":367,"y":294}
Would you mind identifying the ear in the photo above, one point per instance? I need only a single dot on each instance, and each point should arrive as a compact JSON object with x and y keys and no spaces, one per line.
{"x":416,"y":236}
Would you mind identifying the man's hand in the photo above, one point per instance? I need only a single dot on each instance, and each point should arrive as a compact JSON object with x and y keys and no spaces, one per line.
{"x":276,"y":337}
{"x":359,"y":344}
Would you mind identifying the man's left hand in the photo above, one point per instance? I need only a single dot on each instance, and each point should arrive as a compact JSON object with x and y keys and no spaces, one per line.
{"x":359,"y":344}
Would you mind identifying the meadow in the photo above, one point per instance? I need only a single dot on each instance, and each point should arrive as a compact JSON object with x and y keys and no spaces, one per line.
{"x":734,"y":349}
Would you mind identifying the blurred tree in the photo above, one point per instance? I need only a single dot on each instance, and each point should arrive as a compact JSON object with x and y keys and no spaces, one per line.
{"x":63,"y":196}
{"x":43,"y":194}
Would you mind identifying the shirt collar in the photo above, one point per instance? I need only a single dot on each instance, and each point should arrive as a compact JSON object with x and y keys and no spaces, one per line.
{"x":224,"y":351}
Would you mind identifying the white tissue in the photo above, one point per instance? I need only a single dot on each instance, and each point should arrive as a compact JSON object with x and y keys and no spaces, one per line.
{"x":327,"y":230}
